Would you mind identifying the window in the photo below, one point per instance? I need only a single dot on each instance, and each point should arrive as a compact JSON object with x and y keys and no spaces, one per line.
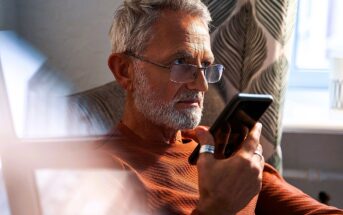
{"x":316,"y":41}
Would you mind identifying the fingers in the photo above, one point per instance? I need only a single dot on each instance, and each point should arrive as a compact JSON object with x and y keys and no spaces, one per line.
{"x":245,"y":131}
{"x":218,"y":176}
{"x":205,"y":138}
{"x":257,"y":156}
{"x":252,"y":141}
{"x":251,"y":147}
{"x":259,"y":149}
{"x":221,"y":139}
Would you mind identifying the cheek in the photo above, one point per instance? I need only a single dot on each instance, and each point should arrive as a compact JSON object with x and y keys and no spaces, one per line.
{"x":172,"y":90}
{"x":163,"y":87}
{"x":166,"y":90}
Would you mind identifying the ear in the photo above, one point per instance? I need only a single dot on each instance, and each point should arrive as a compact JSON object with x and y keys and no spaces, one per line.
{"x":120,"y":66}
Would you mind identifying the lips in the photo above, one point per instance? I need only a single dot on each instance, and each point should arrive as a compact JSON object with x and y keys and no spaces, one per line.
{"x":189,"y":102}
{"x":189,"y":99}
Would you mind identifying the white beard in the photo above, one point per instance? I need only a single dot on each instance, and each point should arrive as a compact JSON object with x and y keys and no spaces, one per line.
{"x":165,"y":113}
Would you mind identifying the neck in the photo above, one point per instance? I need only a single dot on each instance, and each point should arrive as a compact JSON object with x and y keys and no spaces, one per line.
{"x":146,"y":129}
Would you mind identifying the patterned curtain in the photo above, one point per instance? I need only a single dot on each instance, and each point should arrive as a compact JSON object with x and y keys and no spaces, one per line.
{"x":251,"y":39}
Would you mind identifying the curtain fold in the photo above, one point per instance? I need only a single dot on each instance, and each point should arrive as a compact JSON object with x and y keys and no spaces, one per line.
{"x":251,"y":39}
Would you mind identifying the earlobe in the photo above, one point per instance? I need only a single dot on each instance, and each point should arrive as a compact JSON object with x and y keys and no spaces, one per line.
{"x":119,"y":65}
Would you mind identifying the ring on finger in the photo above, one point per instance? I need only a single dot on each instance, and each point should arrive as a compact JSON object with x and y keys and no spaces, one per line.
{"x":207,"y":149}
{"x":258,"y":154}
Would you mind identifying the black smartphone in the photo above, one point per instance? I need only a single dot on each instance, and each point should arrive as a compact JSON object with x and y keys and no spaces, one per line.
{"x":241,"y":113}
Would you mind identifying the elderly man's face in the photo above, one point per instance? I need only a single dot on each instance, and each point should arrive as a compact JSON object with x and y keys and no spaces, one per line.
{"x":177,"y":38}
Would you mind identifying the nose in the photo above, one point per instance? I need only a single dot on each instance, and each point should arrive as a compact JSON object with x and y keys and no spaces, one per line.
{"x":199,"y":83}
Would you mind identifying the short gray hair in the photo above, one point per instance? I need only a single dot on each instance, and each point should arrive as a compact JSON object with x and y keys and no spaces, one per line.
{"x":131,"y":26}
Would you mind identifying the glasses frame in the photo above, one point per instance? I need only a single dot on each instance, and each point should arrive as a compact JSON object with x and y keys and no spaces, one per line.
{"x":141,"y":58}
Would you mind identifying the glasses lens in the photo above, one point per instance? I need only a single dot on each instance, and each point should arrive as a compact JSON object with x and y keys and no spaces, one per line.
{"x":183,"y":73}
{"x":213,"y":73}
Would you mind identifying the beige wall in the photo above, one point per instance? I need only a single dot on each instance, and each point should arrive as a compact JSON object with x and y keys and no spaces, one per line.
{"x":72,"y":34}
{"x":8,"y":14}
{"x":314,"y":163}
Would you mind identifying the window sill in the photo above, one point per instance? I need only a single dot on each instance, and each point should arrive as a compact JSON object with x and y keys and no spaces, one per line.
{"x":308,"y":110}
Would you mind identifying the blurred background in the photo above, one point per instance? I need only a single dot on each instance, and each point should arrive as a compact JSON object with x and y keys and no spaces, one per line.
{"x":52,"y":49}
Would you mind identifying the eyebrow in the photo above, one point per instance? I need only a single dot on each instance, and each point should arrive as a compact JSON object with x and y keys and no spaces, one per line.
{"x":189,"y":55}
{"x":182,"y":53}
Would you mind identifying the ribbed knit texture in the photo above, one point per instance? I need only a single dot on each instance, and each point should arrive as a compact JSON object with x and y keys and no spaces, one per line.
{"x":170,"y":184}
{"x":279,"y":197}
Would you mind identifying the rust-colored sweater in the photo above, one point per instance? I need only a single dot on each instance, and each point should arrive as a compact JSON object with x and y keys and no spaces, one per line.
{"x":170,"y":184}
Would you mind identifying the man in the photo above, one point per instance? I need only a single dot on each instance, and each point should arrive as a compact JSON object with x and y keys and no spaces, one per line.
{"x":161,"y":56}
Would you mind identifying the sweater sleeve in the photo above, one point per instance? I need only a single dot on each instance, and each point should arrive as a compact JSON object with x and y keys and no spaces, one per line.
{"x":279,"y":197}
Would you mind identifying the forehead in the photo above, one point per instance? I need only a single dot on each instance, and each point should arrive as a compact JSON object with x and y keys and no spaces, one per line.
{"x":175,"y":31}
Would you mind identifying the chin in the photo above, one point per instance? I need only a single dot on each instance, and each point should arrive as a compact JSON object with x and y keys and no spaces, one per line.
{"x":186,"y":119}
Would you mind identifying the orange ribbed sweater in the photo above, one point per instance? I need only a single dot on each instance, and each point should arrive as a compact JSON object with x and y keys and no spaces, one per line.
{"x":170,"y":184}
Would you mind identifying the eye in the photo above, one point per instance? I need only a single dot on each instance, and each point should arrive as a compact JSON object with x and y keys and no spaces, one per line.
{"x":179,"y":61}
{"x":206,"y":64}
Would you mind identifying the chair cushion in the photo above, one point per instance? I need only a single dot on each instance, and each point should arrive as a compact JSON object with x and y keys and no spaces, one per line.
{"x":97,"y":110}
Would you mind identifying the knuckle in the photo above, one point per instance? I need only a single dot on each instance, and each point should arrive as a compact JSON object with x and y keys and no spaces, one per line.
{"x":244,"y":161}
{"x":255,"y":170}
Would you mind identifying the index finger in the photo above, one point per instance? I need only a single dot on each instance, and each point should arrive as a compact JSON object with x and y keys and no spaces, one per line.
{"x":252,"y":141}
{"x":221,"y":138}
{"x":204,"y":137}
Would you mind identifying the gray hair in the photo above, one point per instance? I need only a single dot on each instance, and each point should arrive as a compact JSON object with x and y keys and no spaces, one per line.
{"x":131,"y":26}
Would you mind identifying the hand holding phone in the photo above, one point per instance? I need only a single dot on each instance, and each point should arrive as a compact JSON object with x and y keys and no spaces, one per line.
{"x":240,"y":115}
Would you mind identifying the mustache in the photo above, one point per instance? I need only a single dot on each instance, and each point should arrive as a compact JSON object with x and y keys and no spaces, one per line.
{"x":189,"y":95}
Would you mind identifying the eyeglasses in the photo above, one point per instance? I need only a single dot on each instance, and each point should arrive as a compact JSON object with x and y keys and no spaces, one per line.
{"x":185,"y":73}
